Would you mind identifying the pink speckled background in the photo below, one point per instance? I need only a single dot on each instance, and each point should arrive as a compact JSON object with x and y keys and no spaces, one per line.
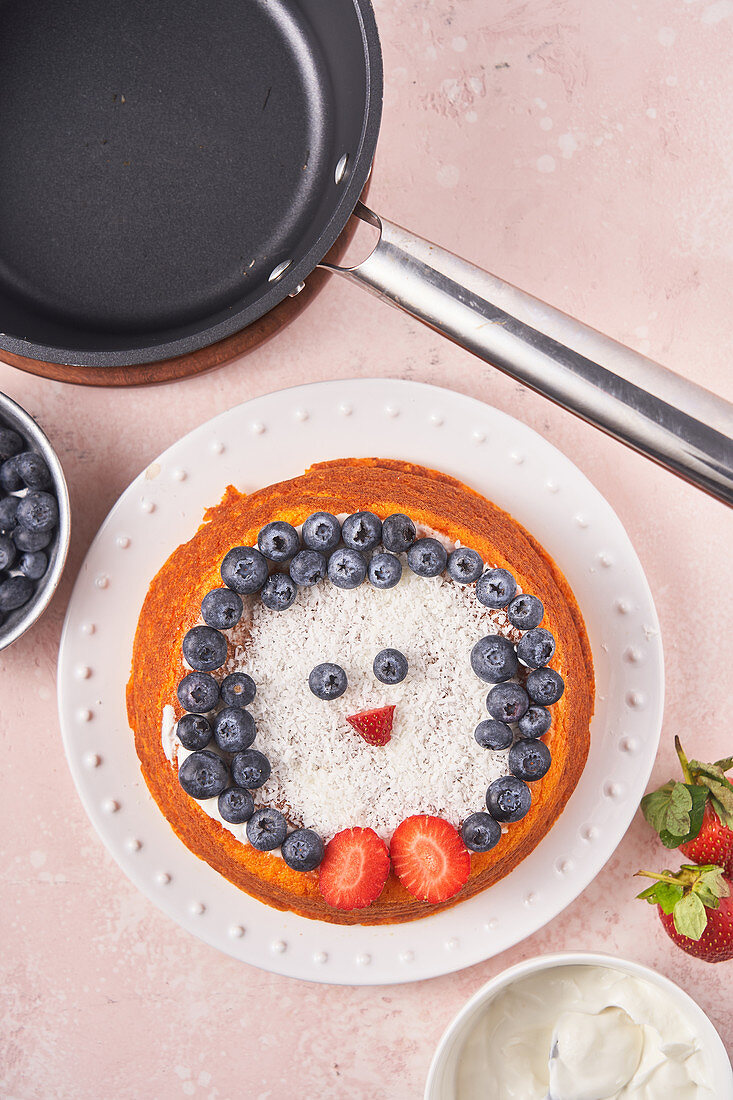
{"x":582,"y":150}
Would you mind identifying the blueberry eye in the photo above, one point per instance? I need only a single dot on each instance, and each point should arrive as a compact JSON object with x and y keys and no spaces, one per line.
{"x":390,"y":666}
{"x":327,"y":681}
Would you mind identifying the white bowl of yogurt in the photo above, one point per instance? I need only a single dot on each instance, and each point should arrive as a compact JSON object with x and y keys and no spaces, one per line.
{"x":580,"y":1027}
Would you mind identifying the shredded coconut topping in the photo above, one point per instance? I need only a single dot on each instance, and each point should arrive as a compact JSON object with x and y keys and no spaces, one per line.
{"x":324,"y":776}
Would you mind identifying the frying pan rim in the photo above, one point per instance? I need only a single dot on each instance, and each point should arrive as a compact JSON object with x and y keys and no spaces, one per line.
{"x":359,"y":167}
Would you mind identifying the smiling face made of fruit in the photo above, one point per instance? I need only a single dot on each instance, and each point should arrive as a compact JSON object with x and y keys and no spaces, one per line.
{"x":364,"y":707}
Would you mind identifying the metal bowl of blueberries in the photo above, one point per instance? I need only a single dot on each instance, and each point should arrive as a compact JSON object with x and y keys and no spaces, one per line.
{"x":34,"y":521}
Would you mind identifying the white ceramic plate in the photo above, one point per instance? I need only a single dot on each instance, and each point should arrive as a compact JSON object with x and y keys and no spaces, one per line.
{"x":276,"y":437}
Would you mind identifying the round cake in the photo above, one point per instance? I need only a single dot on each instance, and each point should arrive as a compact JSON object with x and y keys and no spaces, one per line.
{"x":363,"y":694}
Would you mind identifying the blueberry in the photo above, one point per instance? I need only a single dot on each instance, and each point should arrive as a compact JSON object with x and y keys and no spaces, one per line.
{"x":529,"y":759}
{"x":464,"y":565}
{"x":236,"y":805}
{"x":385,"y":570}
{"x":545,"y":686}
{"x":204,"y":648}
{"x":362,"y":531}
{"x":508,"y":798}
{"x":250,"y":769}
{"x":8,"y":514}
{"x":38,"y":511}
{"x":493,"y":659}
{"x":535,"y":722}
{"x":525,"y":612}
{"x":33,"y":566}
{"x":10,"y":479}
{"x":494,"y":735}
{"x":30,"y":541}
{"x":507,"y":702}
{"x":327,"y":681}
{"x":495,"y":588}
{"x":194,"y":731}
{"x":34,"y":471}
{"x":222,"y":608}
{"x":302,"y":850}
{"x":244,"y":570}
{"x":390,"y":666}
{"x":8,"y":552}
{"x":308,"y":567}
{"x":234,"y":729}
{"x":427,"y":557}
{"x":536,"y":647}
{"x":10,"y":443}
{"x":480,"y":832}
{"x":278,"y":592}
{"x":15,"y":592}
{"x":198,"y":692}
{"x":266,"y":829}
{"x":238,"y":690}
{"x":321,"y":531}
{"x":278,"y":541}
{"x":346,"y":568}
{"x":398,"y":533}
{"x":203,"y":774}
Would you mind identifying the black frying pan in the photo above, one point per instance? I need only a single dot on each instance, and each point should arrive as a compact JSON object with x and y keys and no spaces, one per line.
{"x":170,"y":170}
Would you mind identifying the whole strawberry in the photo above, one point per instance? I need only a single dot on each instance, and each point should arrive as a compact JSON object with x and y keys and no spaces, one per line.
{"x":696,"y":815}
{"x":695,"y":908}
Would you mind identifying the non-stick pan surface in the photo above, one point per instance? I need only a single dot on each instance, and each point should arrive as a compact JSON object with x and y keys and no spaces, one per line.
{"x":160,"y":159}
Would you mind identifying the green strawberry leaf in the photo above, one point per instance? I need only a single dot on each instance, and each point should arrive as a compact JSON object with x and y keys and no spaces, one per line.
{"x":725,"y":817}
{"x":700,"y":768}
{"x":721,"y":790}
{"x":665,"y":894}
{"x":675,"y":811}
{"x":699,"y":797}
{"x":713,"y":776}
{"x":654,"y":806}
{"x":725,"y":765}
{"x":690,"y":918}
{"x":711,"y":881}
{"x":668,"y":896}
{"x":678,"y":811}
{"x":707,"y":895}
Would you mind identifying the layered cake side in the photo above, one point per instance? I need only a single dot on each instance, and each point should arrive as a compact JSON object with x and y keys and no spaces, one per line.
{"x":391,"y":751}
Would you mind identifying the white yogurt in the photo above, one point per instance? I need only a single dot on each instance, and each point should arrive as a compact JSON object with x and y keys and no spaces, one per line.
{"x":582,"y":1033}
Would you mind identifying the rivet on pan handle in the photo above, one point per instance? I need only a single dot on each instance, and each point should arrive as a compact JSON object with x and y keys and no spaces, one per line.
{"x":671,"y":420}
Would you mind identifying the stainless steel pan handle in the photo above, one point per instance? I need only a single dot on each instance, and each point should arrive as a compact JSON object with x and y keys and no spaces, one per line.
{"x":676,"y":423}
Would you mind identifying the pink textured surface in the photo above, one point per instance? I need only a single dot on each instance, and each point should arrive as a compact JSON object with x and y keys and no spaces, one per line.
{"x":583,"y":151}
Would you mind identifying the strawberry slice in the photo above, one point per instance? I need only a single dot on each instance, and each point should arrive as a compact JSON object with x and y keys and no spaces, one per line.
{"x":354,"y":869}
{"x":429,"y":858}
{"x":375,"y":726}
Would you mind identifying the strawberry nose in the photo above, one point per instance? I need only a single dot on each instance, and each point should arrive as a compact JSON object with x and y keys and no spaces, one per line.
{"x":374,"y":726}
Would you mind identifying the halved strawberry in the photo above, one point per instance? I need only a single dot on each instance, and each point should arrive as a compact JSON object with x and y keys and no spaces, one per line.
{"x":354,"y":869}
{"x":429,"y":858}
{"x":375,"y":726}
